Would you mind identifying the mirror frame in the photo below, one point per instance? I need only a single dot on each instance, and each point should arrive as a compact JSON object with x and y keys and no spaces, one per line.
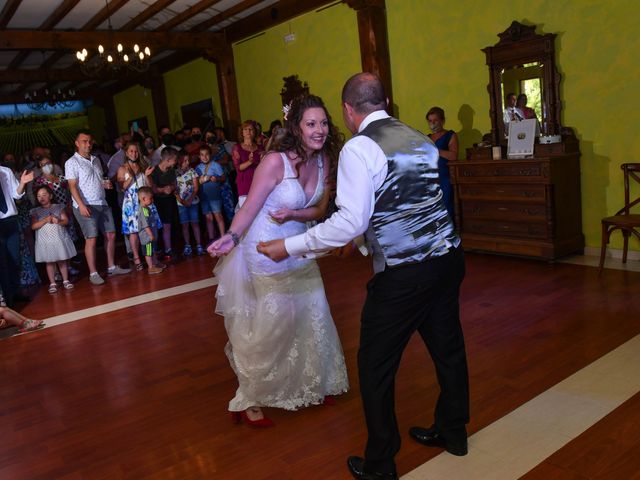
{"x":519,"y":44}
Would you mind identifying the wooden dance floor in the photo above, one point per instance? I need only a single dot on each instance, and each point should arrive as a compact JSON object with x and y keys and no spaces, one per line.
{"x":130,"y":382}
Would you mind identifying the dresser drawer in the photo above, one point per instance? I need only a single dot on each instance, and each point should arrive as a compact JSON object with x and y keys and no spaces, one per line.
{"x":505,"y":228}
{"x":522,"y":212}
{"x":528,"y":170}
{"x":520,"y":192}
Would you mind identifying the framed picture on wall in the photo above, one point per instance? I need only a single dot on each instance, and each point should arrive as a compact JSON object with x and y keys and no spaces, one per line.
{"x":199,"y":114}
{"x":137,"y":124}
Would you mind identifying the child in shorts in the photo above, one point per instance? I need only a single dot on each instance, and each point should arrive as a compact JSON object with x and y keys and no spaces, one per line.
{"x":187,"y":199}
{"x":211,"y":177}
{"x":147,"y":230}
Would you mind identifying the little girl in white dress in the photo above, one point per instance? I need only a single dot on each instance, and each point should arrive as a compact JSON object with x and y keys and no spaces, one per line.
{"x":53,"y":243}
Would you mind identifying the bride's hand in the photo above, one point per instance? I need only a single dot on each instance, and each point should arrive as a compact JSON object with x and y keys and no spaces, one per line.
{"x":282,"y":215}
{"x":222,"y":246}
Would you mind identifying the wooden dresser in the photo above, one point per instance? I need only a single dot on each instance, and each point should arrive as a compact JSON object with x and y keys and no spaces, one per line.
{"x":527,"y":207}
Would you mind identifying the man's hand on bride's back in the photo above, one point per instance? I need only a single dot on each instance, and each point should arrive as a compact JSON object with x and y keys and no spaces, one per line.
{"x":274,"y":249}
{"x":222,"y":246}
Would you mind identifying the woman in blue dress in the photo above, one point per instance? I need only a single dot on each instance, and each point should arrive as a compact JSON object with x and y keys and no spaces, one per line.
{"x":132,"y":175}
{"x":447,"y":143}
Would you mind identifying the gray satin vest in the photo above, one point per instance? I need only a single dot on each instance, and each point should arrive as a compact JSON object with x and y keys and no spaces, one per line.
{"x":410,"y":221}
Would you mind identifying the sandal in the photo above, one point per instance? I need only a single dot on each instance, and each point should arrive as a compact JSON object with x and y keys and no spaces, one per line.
{"x":53,"y":288}
{"x":30,"y":325}
{"x":139,"y":265}
{"x":67,"y":285}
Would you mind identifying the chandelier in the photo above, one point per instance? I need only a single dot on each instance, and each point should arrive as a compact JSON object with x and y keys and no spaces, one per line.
{"x":118,"y":58}
{"x":50,"y":98}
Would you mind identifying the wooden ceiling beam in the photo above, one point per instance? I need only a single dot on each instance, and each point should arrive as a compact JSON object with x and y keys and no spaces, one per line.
{"x":7,"y":12}
{"x":187,"y":14}
{"x":53,"y":19}
{"x":228,"y":13}
{"x":65,"y":40}
{"x":146,"y":14}
{"x":96,"y":20}
{"x":25,"y":75}
{"x":106,"y":12}
{"x":272,"y":15}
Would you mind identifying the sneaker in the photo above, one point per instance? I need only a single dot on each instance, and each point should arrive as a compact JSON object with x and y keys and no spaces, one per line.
{"x":187,"y":251}
{"x":53,"y":288}
{"x":166,"y":257}
{"x":160,"y":265}
{"x":154,"y":270}
{"x":118,"y":271}
{"x":96,"y":279}
{"x":67,"y":285}
{"x":200,"y":250}
{"x":3,"y":302}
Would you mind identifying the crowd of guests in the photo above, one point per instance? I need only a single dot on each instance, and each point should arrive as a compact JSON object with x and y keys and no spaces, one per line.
{"x":54,"y":204}
{"x":257,"y":200}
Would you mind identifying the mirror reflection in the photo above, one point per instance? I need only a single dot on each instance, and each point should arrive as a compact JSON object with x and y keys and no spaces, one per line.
{"x":521,"y":92}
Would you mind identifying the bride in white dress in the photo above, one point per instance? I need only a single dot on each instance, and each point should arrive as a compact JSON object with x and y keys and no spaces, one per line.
{"x":283,"y":344}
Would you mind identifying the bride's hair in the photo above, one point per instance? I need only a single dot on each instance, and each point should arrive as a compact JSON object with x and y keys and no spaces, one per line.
{"x":289,"y":138}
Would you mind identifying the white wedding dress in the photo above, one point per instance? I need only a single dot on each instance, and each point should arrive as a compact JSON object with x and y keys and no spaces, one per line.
{"x":283,"y":344}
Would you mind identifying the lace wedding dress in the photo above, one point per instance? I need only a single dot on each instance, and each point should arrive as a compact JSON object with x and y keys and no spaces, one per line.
{"x":283,"y":344}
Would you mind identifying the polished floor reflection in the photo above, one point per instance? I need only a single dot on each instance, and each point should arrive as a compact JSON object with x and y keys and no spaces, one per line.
{"x":129,"y":381}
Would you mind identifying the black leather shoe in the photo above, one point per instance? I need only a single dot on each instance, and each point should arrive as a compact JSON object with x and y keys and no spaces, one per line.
{"x":432,"y":438}
{"x":356,"y":467}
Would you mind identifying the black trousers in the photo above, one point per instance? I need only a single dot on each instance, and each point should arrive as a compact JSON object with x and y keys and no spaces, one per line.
{"x":9,"y":257}
{"x":401,"y":300}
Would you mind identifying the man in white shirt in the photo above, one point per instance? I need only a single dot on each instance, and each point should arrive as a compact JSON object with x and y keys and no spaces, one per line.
{"x":511,"y":113}
{"x":388,"y":187}
{"x":10,"y":191}
{"x":84,"y":174}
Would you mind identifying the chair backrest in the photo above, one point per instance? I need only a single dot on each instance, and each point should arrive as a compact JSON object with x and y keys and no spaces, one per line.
{"x":631,"y":171}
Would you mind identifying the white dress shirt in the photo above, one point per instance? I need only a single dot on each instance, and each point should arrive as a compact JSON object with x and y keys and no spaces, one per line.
{"x":512,"y":114}
{"x":10,"y":191}
{"x":361,"y":171}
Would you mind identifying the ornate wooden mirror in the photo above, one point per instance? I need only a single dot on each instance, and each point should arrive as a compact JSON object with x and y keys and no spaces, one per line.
{"x":524,"y":62}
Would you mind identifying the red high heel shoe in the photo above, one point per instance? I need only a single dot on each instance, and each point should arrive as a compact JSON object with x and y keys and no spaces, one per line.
{"x":329,"y":400}
{"x":264,"y":422}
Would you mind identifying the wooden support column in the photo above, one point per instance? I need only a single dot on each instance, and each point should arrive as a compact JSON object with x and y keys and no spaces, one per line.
{"x":229,"y":102}
{"x":111,"y":121}
{"x":374,"y":43}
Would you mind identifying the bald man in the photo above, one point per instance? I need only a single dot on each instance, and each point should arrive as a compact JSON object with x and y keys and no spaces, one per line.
{"x":388,"y":189}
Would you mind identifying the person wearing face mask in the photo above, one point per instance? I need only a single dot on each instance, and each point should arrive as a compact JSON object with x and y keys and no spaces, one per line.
{"x":446,"y":142}
{"x":193,"y":148}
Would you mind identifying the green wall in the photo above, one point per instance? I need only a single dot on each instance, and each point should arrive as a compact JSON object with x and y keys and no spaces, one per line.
{"x":324,"y":54}
{"x":134,"y":102}
{"x":191,"y":83}
{"x":436,"y":59}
